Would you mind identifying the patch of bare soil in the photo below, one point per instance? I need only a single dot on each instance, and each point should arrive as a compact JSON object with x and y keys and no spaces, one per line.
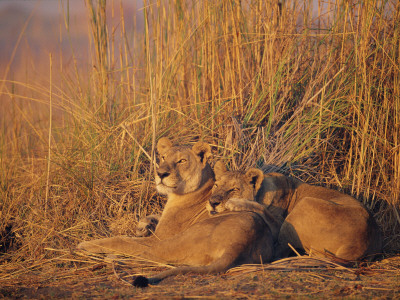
{"x":95,"y":278}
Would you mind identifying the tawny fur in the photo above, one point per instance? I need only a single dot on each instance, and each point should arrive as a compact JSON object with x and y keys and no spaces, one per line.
{"x":186,"y":234}
{"x":319,"y":220}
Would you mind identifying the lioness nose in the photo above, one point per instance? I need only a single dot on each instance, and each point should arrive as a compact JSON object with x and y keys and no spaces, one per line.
{"x":162,"y":174}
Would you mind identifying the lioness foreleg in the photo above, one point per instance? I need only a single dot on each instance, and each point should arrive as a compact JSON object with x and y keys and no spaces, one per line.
{"x":118,"y":245}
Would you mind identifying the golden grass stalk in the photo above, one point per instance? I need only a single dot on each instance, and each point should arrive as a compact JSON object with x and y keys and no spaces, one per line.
{"x":49,"y":144}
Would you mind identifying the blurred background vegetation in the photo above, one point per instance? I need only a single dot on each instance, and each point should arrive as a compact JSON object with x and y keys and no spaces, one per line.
{"x":311,"y":88}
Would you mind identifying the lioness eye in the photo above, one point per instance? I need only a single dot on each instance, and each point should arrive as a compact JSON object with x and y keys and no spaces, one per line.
{"x":162,"y":158}
{"x":215,"y":186}
{"x":182,"y":161}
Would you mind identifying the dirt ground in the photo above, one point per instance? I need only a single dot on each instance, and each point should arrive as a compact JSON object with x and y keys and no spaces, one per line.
{"x":94,"y":278}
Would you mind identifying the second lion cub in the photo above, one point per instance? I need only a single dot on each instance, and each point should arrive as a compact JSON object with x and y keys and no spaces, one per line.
{"x":317,"y":219}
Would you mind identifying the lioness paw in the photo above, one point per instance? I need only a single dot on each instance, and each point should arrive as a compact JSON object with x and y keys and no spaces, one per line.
{"x":147,"y":225}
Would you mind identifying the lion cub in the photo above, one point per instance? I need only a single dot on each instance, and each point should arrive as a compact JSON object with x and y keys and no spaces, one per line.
{"x":235,"y":191}
{"x":321,"y":221}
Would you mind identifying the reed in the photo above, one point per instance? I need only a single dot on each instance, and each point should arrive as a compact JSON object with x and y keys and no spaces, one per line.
{"x":316,"y":95}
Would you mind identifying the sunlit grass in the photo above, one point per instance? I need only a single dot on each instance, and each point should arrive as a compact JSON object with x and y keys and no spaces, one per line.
{"x":321,"y":102}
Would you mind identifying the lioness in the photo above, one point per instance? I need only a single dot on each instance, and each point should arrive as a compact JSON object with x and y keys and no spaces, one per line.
{"x":186,"y":177}
{"x":208,"y":244}
{"x":321,"y":221}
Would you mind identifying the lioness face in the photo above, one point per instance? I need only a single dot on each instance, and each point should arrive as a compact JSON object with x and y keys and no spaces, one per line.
{"x":180,"y":168}
{"x":232,"y":185}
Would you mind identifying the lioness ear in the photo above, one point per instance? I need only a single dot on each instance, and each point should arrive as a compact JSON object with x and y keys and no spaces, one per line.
{"x":202,"y":150}
{"x":163,"y":145}
{"x":255,"y":177}
{"x":219,"y":169}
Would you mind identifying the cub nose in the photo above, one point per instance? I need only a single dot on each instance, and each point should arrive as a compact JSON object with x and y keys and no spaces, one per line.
{"x":162,"y":174}
{"x":214,"y":202}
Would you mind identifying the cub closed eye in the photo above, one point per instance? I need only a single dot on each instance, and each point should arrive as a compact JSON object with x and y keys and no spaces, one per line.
{"x":234,"y":190}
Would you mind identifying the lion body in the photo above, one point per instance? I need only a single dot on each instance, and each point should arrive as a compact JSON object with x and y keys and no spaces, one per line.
{"x":185,"y":233}
{"x":321,"y":221}
{"x":328,"y":223}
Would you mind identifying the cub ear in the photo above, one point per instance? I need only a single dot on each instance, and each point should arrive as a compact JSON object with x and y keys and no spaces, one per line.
{"x":255,"y":178}
{"x":219,"y":169}
{"x":163,"y":145}
{"x":202,"y":150}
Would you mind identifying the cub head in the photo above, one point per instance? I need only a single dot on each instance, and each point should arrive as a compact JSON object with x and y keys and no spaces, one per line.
{"x":182,"y":169}
{"x":233,"y":185}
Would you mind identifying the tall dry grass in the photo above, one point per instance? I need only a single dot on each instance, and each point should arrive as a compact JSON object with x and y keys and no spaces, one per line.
{"x":315,"y":95}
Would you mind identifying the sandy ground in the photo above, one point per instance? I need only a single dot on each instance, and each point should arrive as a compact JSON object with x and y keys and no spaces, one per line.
{"x":100,"y":279}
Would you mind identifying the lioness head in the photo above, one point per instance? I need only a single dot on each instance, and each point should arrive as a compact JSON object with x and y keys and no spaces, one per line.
{"x":182,"y":170}
{"x":231,"y":185}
